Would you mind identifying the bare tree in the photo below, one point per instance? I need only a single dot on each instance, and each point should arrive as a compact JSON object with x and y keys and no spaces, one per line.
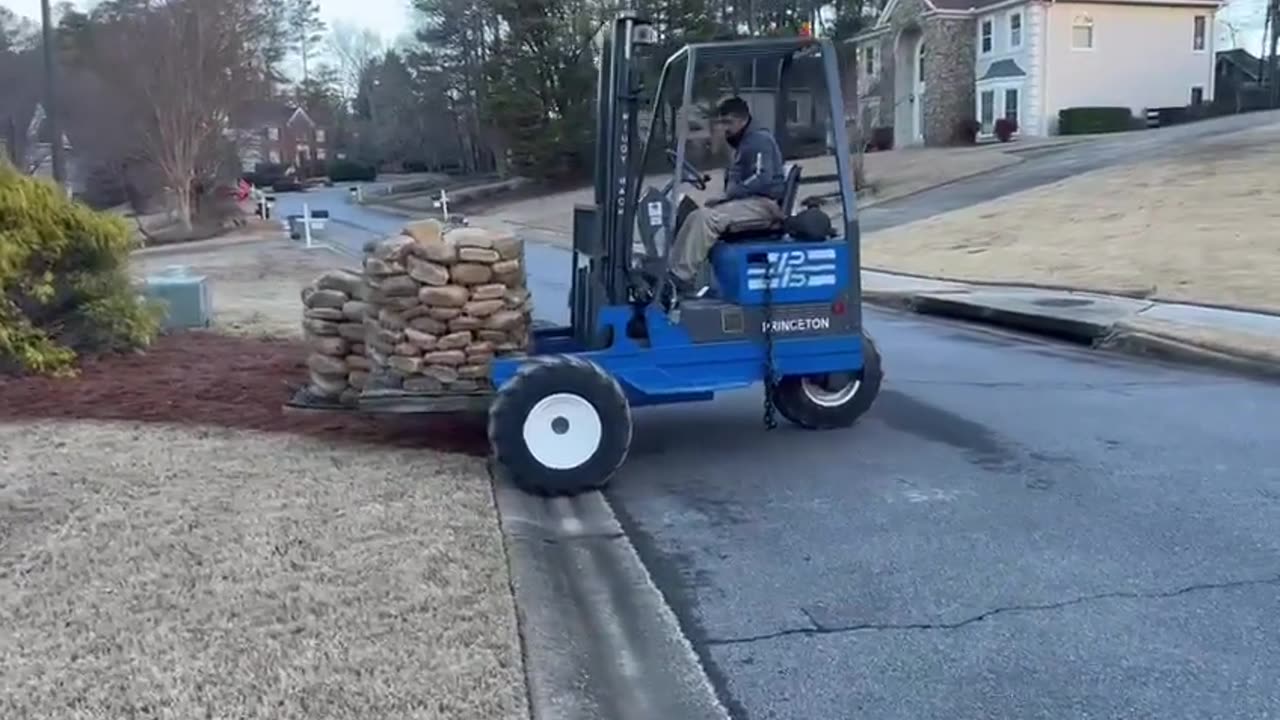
{"x":185,"y":66}
{"x":354,"y":50}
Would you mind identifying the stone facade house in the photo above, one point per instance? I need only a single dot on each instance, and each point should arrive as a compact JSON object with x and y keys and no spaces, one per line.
{"x":928,"y":66}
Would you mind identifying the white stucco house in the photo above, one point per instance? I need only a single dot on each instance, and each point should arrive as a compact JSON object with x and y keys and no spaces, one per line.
{"x":926,"y":66}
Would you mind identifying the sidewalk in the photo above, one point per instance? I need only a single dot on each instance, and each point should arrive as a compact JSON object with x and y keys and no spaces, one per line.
{"x":1233,"y":339}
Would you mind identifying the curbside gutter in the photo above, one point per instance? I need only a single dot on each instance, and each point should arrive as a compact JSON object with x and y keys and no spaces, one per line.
{"x":1119,"y":330}
{"x":599,"y":640}
{"x":1167,"y":347}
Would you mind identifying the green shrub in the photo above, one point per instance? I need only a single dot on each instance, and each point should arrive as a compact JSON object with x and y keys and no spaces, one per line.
{"x":1088,"y":120}
{"x":351,"y":171}
{"x":64,"y":285}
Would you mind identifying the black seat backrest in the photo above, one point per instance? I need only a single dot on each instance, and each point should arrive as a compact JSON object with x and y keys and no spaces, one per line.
{"x":792,"y":189}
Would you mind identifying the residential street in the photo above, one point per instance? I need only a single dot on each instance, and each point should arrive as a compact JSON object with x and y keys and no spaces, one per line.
{"x":1018,"y":529}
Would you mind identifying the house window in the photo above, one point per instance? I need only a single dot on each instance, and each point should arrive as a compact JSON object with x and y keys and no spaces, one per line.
{"x":1197,"y":95}
{"x":793,"y":111}
{"x":1011,"y":105}
{"x":1082,"y":33}
{"x":273,"y":133}
{"x":869,"y":61}
{"x":987,"y":109}
{"x":1015,"y":30}
{"x":274,"y":157}
{"x":321,"y":154}
{"x":987,"y":36}
{"x":1197,"y":40}
{"x":319,"y":136}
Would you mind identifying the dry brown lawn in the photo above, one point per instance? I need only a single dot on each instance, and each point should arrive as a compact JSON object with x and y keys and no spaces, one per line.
{"x":183,"y":573}
{"x":1199,"y":226}
{"x":175,"y":570}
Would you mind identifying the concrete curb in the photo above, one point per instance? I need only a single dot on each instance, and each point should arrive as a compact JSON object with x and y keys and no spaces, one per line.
{"x":599,"y":640}
{"x":1164,"y":347}
{"x":1097,"y":335}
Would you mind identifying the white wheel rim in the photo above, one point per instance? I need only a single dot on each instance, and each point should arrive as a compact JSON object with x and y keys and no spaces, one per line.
{"x":821,"y":396}
{"x":563,"y":431}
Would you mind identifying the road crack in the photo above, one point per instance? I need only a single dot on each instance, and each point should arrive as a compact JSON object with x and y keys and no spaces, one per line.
{"x":818,"y":628}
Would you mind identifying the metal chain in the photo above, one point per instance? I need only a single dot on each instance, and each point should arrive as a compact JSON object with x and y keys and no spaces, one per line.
{"x":770,"y":374}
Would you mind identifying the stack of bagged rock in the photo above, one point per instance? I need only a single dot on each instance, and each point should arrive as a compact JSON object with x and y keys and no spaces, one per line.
{"x":443,"y":306}
{"x":333,"y":321}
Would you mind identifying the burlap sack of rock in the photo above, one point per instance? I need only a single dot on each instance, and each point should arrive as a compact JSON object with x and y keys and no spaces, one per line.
{"x":443,"y":305}
{"x":333,"y":322}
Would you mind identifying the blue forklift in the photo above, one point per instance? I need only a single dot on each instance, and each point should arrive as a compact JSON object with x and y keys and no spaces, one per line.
{"x":785,"y":307}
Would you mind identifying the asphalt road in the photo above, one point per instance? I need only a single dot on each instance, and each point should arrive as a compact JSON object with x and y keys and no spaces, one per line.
{"x":1018,"y":529}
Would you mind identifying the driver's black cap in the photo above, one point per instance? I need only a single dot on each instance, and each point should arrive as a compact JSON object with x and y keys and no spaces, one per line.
{"x":734,"y":107}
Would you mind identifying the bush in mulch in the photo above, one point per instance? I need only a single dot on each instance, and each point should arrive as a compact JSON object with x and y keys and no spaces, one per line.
{"x":203,"y":378}
{"x":64,"y":285}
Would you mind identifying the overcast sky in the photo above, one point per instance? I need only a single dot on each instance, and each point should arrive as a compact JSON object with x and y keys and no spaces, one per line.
{"x":387,"y":17}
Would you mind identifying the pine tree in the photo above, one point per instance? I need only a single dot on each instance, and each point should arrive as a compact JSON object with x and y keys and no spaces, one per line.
{"x":307,"y":31}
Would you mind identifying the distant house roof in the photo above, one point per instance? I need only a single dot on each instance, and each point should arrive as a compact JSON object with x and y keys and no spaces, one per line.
{"x":963,"y":4}
{"x":975,"y":7}
{"x":260,"y":113}
{"x":1248,"y":64}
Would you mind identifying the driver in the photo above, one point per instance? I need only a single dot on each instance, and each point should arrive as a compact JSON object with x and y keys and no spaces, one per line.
{"x":754,"y":186}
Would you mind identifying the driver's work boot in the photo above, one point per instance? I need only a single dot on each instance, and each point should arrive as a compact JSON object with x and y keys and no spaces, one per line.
{"x":675,"y":289}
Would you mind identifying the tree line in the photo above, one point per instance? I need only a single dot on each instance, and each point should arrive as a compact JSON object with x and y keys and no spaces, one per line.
{"x":149,"y":88}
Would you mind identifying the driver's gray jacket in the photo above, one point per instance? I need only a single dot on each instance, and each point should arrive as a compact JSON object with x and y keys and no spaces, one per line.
{"x":756,"y":169}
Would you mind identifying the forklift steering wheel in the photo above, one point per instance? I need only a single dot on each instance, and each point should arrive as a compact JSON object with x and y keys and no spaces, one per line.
{"x":691,"y":173}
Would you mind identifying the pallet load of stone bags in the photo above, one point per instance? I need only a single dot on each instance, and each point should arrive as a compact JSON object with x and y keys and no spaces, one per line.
{"x":443,"y":306}
{"x":333,"y":321}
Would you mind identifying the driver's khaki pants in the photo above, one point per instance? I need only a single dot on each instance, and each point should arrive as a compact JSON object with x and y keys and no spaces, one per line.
{"x":703,"y":226}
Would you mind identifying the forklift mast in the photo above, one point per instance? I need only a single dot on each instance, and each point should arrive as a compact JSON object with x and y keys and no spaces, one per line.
{"x":602,"y":231}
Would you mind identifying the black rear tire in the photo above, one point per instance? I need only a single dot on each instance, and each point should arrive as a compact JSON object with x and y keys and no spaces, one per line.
{"x":561,"y":426}
{"x":827,"y":402}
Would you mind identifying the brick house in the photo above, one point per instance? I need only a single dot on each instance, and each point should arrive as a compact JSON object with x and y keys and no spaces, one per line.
{"x":926,"y":66}
{"x":280,"y":134}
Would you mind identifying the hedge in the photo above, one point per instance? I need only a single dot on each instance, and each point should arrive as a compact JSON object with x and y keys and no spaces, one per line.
{"x":64,"y":285}
{"x":1087,"y":120}
{"x":351,"y":171}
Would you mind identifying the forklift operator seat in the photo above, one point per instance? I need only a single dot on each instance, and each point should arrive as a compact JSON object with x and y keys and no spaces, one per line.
{"x":756,"y":229}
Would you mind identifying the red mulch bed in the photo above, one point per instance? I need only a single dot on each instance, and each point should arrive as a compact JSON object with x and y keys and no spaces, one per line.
{"x":202,"y":378}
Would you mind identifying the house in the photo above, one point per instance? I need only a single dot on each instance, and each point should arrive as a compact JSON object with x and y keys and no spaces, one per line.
{"x":29,"y":144}
{"x":276,"y":133}
{"x":927,"y":66}
{"x":1238,"y":81}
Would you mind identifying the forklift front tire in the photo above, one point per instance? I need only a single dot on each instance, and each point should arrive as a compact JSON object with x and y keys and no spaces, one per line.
{"x":561,"y":426}
{"x":827,"y":402}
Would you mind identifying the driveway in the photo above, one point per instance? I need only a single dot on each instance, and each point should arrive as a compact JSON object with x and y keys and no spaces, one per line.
{"x":1017,"y":530}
